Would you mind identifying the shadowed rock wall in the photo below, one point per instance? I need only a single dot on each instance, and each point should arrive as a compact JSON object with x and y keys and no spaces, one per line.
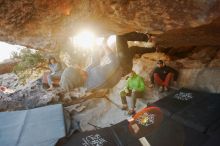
{"x":47,"y":24}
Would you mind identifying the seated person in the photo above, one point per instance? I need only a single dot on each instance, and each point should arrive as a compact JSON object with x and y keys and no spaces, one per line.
{"x":162,"y":75}
{"x":55,"y":72}
{"x":94,"y":76}
{"x":135,"y":87}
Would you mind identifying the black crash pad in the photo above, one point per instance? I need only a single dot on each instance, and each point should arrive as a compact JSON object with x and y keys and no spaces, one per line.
{"x":214,"y":139}
{"x":165,"y":132}
{"x":214,"y":128}
{"x":172,"y":133}
{"x":200,"y":116}
{"x":168,"y":133}
{"x":117,"y":135}
{"x":98,"y":137}
{"x":171,"y":104}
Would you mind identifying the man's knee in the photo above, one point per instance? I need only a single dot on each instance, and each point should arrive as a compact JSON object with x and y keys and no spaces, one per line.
{"x":169,"y":76}
{"x":156,"y":75}
{"x":137,"y":94}
{"x":157,"y":78}
{"x":123,"y":93}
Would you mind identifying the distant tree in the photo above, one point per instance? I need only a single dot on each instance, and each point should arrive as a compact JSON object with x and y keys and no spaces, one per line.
{"x":29,"y":61}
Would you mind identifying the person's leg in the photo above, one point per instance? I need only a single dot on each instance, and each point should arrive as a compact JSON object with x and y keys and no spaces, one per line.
{"x":50,"y":79}
{"x":123,"y":95}
{"x":134,"y":96}
{"x":124,"y":54}
{"x":141,"y":50}
{"x":167,"y":80}
{"x":136,"y":36}
{"x":134,"y":100}
{"x":56,"y":78}
{"x":158,"y":81}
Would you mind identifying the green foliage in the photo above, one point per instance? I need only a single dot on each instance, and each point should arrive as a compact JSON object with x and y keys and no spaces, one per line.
{"x":29,"y":60}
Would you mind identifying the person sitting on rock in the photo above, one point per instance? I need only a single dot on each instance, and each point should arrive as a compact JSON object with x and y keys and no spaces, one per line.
{"x":55,"y":72}
{"x":135,"y":87}
{"x":163,"y":75}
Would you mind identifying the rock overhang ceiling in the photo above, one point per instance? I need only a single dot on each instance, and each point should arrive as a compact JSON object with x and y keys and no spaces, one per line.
{"x":48,"y":23}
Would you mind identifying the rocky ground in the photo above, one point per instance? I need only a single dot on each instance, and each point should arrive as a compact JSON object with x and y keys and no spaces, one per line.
{"x":99,"y":109}
{"x":102,"y":108}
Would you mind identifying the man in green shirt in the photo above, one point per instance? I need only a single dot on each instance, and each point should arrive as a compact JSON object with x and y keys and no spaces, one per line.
{"x":135,"y":88}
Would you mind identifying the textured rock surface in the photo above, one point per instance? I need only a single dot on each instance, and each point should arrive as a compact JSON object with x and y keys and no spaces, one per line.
{"x":48,"y":23}
{"x":180,"y":26}
{"x":202,"y":79}
{"x":7,"y":67}
{"x":194,"y":72}
{"x":216,"y":60}
{"x":206,"y":35}
{"x":9,"y":81}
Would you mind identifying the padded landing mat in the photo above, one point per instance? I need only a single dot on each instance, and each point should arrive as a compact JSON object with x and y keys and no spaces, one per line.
{"x":163,"y":131}
{"x":121,"y":134}
{"x":104,"y":137}
{"x":179,"y":100}
{"x":202,"y":115}
{"x":214,"y":139}
{"x":172,"y":133}
{"x":40,"y":126}
{"x":169,"y":133}
{"x":213,"y":128}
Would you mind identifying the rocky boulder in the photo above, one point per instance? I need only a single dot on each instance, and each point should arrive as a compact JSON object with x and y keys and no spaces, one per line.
{"x":193,"y":74}
{"x":48,"y":24}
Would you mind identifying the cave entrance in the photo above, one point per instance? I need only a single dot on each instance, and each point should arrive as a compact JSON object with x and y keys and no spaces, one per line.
{"x":8,"y":50}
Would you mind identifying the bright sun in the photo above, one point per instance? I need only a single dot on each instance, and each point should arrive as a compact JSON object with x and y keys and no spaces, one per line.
{"x":88,"y":40}
{"x":85,"y":39}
